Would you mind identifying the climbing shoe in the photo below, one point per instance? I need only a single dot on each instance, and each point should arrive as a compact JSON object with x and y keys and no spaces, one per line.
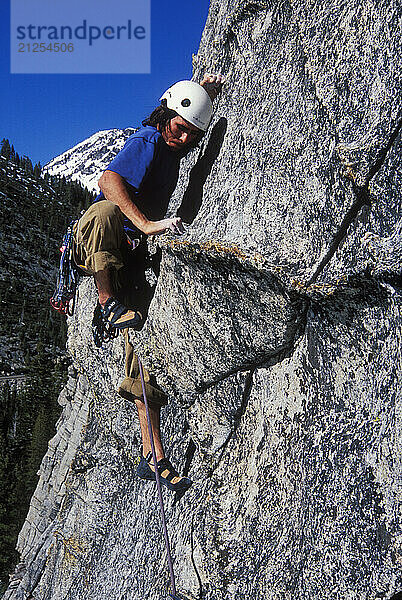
{"x":119,"y":317}
{"x":167,"y":474}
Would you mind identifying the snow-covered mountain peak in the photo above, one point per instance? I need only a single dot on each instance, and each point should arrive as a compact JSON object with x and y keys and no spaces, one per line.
{"x":86,"y":161}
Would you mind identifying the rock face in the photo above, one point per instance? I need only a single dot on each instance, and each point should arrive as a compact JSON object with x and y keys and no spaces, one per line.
{"x":275,"y":328}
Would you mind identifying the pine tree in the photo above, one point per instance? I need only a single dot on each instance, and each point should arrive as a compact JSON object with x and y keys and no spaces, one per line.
{"x":37,"y":170}
{"x":5,"y":148}
{"x":27,"y":165}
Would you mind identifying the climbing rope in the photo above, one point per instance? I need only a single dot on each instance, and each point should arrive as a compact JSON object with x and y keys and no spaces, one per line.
{"x":158,"y":485}
{"x":63,"y":299}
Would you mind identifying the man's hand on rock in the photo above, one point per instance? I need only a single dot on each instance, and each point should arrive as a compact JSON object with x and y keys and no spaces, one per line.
{"x":175,"y":225}
{"x":212,"y":84}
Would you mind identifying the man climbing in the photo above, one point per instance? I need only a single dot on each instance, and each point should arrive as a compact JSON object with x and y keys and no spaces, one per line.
{"x":135,"y":191}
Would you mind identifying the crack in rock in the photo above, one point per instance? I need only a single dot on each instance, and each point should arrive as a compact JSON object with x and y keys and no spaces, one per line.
{"x":362,"y":198}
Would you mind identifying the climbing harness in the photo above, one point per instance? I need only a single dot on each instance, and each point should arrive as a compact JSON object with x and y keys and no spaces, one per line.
{"x":101,"y":330}
{"x":173,"y":595}
{"x":63,"y":299}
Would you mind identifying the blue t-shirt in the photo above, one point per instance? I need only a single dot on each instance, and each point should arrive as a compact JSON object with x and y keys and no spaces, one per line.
{"x":151,"y":170}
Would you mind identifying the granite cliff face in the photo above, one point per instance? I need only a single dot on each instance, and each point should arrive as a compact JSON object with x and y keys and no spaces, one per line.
{"x":275,"y":328}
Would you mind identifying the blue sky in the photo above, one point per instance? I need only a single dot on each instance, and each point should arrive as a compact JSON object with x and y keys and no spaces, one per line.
{"x":44,"y":115}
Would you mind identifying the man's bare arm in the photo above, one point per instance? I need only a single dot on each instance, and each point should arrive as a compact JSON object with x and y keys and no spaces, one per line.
{"x":114,"y":189}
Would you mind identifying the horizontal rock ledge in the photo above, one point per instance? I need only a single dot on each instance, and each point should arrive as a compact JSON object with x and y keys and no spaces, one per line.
{"x":216,"y":311}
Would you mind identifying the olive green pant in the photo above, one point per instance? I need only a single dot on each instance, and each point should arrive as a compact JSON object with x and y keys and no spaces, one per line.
{"x":100,"y":243}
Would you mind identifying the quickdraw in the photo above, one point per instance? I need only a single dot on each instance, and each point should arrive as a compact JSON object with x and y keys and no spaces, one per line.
{"x":63,"y":299}
{"x":101,"y":330}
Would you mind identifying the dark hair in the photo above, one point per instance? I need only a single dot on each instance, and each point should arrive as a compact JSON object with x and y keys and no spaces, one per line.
{"x":160,"y":118}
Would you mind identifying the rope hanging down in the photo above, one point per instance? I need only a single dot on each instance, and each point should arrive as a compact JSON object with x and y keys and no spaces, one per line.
{"x":67,"y":282}
{"x":158,"y":485}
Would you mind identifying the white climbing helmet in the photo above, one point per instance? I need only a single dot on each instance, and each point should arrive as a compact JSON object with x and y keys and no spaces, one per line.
{"x":190,"y":101}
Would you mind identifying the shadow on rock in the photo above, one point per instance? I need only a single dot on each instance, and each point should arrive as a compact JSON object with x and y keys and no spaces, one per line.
{"x":192,"y":198}
{"x":359,"y":291}
{"x":140,"y":274}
